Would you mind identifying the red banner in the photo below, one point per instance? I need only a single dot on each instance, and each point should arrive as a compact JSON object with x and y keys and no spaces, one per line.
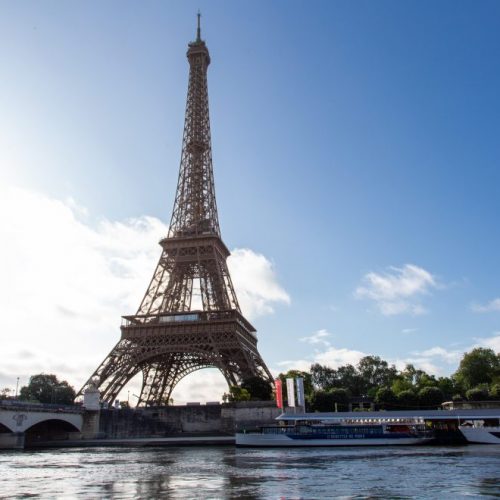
{"x":279,"y":393}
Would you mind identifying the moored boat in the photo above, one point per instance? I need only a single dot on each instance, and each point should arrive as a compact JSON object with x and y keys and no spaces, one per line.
{"x":331,"y":431}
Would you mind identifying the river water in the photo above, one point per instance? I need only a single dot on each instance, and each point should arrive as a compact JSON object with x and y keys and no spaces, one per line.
{"x":226,"y":472}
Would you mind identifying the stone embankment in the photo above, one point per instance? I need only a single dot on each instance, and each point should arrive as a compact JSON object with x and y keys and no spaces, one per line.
{"x":210,"y":420}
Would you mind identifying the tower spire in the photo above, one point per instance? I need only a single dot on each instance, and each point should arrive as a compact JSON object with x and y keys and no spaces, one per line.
{"x":198,"y":31}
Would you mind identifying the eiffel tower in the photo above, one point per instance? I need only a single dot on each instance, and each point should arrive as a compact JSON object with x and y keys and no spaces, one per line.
{"x":189,"y":318}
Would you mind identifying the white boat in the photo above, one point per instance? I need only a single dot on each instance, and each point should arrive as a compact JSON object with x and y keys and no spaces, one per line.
{"x":321,"y":431}
{"x":478,"y":432}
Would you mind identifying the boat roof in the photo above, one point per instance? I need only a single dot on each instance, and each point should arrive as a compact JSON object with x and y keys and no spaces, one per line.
{"x":463,"y":414}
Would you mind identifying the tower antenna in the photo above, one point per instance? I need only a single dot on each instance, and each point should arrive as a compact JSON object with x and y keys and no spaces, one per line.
{"x":198,"y":31}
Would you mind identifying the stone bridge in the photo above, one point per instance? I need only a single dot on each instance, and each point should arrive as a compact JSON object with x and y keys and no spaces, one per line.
{"x":22,"y":423}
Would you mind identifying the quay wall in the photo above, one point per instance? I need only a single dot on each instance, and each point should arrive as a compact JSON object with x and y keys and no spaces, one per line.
{"x":178,"y":420}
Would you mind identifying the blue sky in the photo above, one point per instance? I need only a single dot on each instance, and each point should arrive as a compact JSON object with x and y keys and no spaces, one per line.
{"x":355,"y":149}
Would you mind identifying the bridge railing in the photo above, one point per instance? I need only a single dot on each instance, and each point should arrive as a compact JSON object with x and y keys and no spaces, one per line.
{"x":15,"y":404}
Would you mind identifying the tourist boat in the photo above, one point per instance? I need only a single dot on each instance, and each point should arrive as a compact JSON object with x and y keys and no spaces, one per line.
{"x":480,"y":432}
{"x":332,"y":431}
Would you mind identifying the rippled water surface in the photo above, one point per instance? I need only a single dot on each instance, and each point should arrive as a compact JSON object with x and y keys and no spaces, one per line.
{"x":226,"y":472}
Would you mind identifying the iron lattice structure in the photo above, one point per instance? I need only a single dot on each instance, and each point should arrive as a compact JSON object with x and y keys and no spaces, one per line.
{"x":189,"y":318}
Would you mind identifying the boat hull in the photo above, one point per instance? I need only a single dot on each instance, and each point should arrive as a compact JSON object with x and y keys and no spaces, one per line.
{"x":481,"y":435}
{"x":270,"y":440}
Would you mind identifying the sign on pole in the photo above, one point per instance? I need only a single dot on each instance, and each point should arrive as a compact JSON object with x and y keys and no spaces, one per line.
{"x":279,"y":393}
{"x":290,"y":392}
{"x":299,"y":381}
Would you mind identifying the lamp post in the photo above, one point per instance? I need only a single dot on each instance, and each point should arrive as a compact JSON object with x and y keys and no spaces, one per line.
{"x":17,"y":386}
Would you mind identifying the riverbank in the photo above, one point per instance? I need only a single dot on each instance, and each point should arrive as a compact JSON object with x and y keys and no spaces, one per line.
{"x":139,"y":442}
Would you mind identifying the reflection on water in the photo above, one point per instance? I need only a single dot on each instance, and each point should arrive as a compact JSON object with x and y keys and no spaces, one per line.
{"x":225,"y":472}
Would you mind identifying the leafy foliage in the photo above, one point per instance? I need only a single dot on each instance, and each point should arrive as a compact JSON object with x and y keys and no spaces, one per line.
{"x":478,"y":376}
{"x":374,"y":373}
{"x":479,"y":393}
{"x":430,"y":397}
{"x":385,"y":398}
{"x":323,"y":401}
{"x":258,"y":388}
{"x":46,"y":388}
{"x":480,"y":366}
{"x":495,"y":391}
{"x":5,"y":393}
{"x":407,"y":400}
{"x":236,"y":394}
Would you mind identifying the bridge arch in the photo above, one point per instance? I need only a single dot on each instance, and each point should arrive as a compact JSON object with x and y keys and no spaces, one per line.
{"x":52,"y":429}
{"x":5,"y":428}
{"x":34,"y":418}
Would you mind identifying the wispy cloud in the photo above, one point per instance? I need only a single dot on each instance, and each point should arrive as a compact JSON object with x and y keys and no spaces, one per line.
{"x":437,"y":352}
{"x":397,"y":291}
{"x":328,"y":355}
{"x":256,"y":282}
{"x":492,"y":305}
{"x":317,"y":338}
{"x":492,"y":342}
{"x":406,"y":331}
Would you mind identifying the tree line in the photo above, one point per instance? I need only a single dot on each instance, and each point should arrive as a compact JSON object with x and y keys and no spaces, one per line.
{"x":374,"y":379}
{"x":476,"y":378}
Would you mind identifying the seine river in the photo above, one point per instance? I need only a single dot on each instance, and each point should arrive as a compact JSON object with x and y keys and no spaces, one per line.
{"x":226,"y":472}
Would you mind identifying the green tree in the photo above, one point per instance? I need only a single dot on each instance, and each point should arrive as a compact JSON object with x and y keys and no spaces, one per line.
{"x":349,"y":378}
{"x":480,"y":366}
{"x":414,"y":376}
{"x":401,"y":384}
{"x":258,"y":388}
{"x":5,"y":393}
{"x":449,"y":387}
{"x":430,"y":397}
{"x":426,"y":380}
{"x":479,"y":393}
{"x":385,"y":398}
{"x":374,"y":372}
{"x":323,"y":377}
{"x":46,"y":388}
{"x":236,"y":393}
{"x":346,"y":377}
{"x":323,"y":401}
{"x":341,"y":397}
{"x":407,"y":400}
{"x":495,"y":391}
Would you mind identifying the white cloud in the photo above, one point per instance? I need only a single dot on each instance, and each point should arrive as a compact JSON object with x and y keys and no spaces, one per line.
{"x":492,"y":305}
{"x":441,"y":361}
{"x":409,"y":330}
{"x":428,"y":365}
{"x":449,"y":356}
{"x":492,"y":342}
{"x":398,"y":290}
{"x":203,"y":385}
{"x":292,"y":364}
{"x":255,"y":281}
{"x":338,"y":357}
{"x":328,"y":355}
{"x":65,"y":282}
{"x":317,"y":338}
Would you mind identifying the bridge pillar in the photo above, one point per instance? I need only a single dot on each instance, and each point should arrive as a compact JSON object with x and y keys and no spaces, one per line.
{"x":90,"y":426}
{"x":11,"y":440}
